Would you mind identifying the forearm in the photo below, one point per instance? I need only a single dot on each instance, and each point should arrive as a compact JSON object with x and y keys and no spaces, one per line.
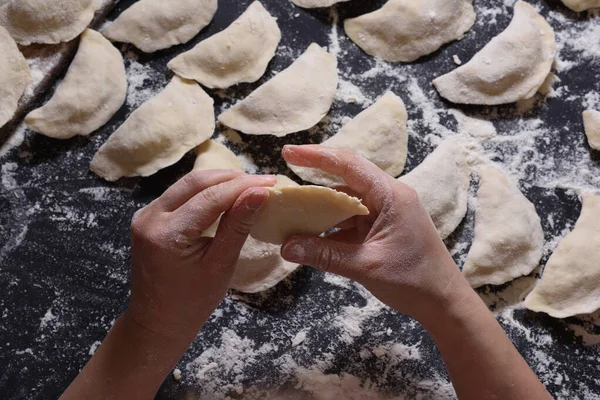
{"x":480,"y":358}
{"x":131,"y":363}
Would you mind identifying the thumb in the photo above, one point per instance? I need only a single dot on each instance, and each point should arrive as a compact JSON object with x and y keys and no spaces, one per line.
{"x":325,"y":254}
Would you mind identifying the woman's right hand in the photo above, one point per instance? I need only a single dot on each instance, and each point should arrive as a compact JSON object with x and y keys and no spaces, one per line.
{"x":395,"y":252}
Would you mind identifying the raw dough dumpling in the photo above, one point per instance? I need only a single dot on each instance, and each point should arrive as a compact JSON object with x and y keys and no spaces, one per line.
{"x":442,"y":182}
{"x":508,"y":232}
{"x":158,"y":133}
{"x":92,"y":92}
{"x":405,"y":30}
{"x":316,"y":3}
{"x":378,"y":134}
{"x":591,"y":121}
{"x":303,"y":210}
{"x":294,"y":100}
{"x":153,"y":25}
{"x":511,"y":67}
{"x":47,"y":21}
{"x":214,"y":155}
{"x":240,"y":53}
{"x":570,"y":282}
{"x":581,"y":5}
{"x":14,"y":76}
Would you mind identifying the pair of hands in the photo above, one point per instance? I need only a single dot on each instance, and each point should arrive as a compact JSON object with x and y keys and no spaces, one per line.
{"x":179,"y":277}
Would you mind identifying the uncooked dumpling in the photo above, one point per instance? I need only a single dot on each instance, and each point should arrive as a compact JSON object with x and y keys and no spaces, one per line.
{"x":511,"y":67}
{"x":316,"y":3}
{"x":240,"y":53}
{"x":570,"y":284}
{"x":508,"y":232}
{"x":294,"y":100}
{"x":92,"y":92}
{"x":591,"y":121}
{"x":14,"y":76}
{"x":442,"y":182}
{"x":158,"y":133}
{"x":303,"y":210}
{"x":153,"y":25}
{"x":47,"y":21}
{"x":405,"y":30}
{"x":378,"y":134}
{"x":214,"y":155}
{"x":581,"y":5}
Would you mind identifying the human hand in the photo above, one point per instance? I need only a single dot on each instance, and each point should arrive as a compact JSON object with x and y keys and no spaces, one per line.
{"x":179,"y":276}
{"x":395,"y":252}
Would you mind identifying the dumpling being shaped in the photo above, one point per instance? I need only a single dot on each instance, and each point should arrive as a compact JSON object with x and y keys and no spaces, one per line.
{"x":15,"y":75}
{"x":240,"y":53}
{"x":296,"y":99}
{"x":591,"y":122}
{"x":378,"y":134}
{"x":214,"y":155}
{"x":303,"y":210}
{"x":581,"y":5}
{"x":47,"y":21}
{"x":509,"y":238}
{"x":442,"y":182}
{"x":93,"y":90}
{"x":511,"y":67}
{"x":158,"y":133}
{"x":153,"y":25}
{"x":405,"y":30}
{"x":316,"y":3}
{"x":569,"y":284}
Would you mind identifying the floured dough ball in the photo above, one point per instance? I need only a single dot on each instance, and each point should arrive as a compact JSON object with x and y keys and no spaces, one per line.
{"x":378,"y":134}
{"x":296,"y":99}
{"x":240,"y":53}
{"x":570,"y":284}
{"x":303,"y":210}
{"x":581,"y":5}
{"x":509,"y":239}
{"x":214,"y":155}
{"x":14,"y":76}
{"x":47,"y":21}
{"x":153,"y":25}
{"x":405,"y":30}
{"x":316,"y":3}
{"x":92,"y":92}
{"x":591,"y":121}
{"x":442,"y":182}
{"x":158,"y":133}
{"x":513,"y":66}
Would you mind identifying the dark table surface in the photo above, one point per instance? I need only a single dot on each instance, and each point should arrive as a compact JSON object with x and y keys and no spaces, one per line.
{"x":64,"y":233}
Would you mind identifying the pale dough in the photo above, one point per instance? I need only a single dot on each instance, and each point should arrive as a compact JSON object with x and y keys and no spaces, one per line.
{"x":591,"y":121}
{"x":303,"y":210}
{"x":14,"y":76}
{"x":511,"y":67}
{"x":581,"y":5}
{"x":569,"y":284}
{"x":378,"y":134}
{"x":240,"y":53}
{"x":442,"y":182}
{"x":296,"y":99}
{"x":316,"y":3}
{"x":93,"y":90}
{"x":158,"y":133}
{"x":47,"y":21}
{"x":214,"y":155}
{"x":509,"y":238}
{"x":405,"y":30}
{"x":153,"y":25}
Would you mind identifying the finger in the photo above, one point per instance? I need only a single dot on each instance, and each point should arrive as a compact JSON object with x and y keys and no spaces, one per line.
{"x":192,"y":184}
{"x":200,"y":212}
{"x":361,"y":175}
{"x":235,"y":227}
{"x":350,"y":223}
{"x":322,"y":253}
{"x":351,"y":236}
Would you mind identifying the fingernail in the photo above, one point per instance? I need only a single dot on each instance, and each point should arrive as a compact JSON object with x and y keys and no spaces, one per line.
{"x":293,"y":252}
{"x":257,"y":198}
{"x":268,"y":178}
